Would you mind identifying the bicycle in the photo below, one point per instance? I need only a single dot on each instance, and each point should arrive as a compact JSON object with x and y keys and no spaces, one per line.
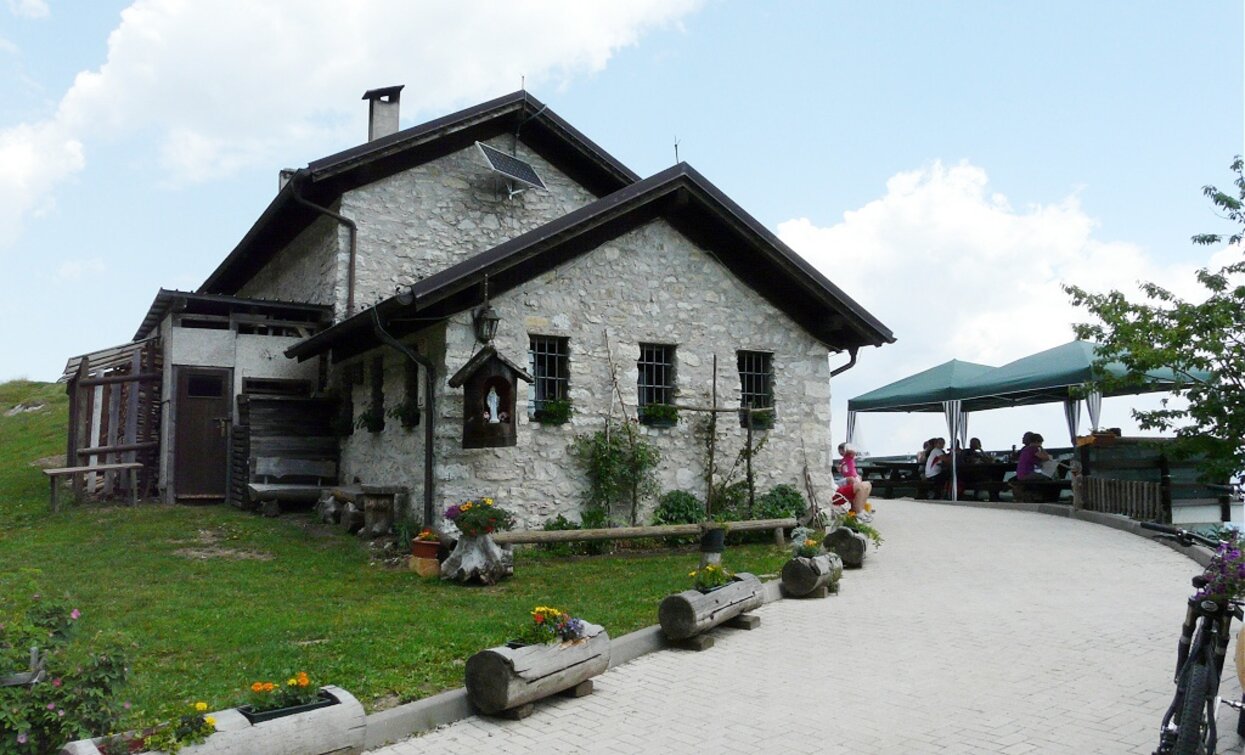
{"x":1188,"y":726}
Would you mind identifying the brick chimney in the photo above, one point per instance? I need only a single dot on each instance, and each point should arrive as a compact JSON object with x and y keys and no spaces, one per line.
{"x":382,"y":115}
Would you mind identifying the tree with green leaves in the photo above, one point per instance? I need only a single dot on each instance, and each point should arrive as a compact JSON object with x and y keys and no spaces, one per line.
{"x":1193,"y":338}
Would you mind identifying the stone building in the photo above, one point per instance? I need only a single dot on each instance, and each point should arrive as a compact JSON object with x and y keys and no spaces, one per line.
{"x":604,"y":293}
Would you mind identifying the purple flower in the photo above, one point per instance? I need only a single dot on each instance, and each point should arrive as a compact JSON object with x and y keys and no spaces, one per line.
{"x":74,"y":614}
{"x":51,"y":706}
{"x":21,"y":738}
{"x":452,"y":512}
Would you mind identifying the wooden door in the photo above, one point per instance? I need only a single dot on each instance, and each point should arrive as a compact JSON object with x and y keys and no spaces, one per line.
{"x":201,"y":441}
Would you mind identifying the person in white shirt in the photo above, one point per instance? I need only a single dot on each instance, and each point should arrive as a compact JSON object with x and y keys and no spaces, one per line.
{"x":937,"y":467}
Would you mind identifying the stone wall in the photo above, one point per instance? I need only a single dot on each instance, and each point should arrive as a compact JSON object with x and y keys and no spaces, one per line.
{"x":435,"y":215}
{"x":311,"y":269}
{"x":650,"y":285}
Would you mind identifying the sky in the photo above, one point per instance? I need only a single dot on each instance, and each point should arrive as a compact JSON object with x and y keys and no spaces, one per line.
{"x":949,"y":165}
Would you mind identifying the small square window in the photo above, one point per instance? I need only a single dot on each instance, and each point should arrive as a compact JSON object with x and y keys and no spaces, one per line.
{"x":547,"y":356}
{"x":756,"y":386}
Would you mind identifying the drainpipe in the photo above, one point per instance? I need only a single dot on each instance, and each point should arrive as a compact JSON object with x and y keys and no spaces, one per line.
{"x":429,"y":405}
{"x":354,"y":233}
{"x":850,"y":363}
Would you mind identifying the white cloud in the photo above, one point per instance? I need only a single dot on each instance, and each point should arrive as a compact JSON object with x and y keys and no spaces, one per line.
{"x":957,"y":272}
{"x":72,"y":270}
{"x":29,"y":8}
{"x":219,"y":86}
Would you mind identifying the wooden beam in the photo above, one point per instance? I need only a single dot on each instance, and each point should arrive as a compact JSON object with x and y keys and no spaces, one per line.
{"x":627,"y":533}
{"x":118,"y":448}
{"x":146,"y":377}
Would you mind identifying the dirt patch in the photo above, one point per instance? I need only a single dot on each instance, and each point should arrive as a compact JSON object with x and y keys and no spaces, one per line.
{"x":48,"y":462}
{"x":385,"y":702}
{"x":230,"y":554}
{"x":23,"y":409}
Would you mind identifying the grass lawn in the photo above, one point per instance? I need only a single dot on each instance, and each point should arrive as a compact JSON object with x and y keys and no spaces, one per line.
{"x":213,"y":598}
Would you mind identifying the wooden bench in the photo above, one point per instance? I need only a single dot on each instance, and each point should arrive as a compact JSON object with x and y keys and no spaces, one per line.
{"x":304,"y":479}
{"x":990,"y":487}
{"x":1038,"y":491}
{"x":55,"y":473}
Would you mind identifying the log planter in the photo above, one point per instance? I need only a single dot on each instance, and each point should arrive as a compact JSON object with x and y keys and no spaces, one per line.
{"x":849,"y":545}
{"x":337,"y":728}
{"x":478,"y":558}
{"x":504,"y":679}
{"x":687,"y":614}
{"x":803,"y":576}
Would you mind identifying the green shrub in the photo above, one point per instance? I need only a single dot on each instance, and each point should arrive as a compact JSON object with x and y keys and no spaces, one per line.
{"x":679,"y":507}
{"x":780,"y":502}
{"x":78,"y":696}
{"x":559,"y":524}
{"x":595,"y":518}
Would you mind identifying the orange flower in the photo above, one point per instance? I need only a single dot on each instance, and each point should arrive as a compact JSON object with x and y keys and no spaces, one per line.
{"x":257,"y":687}
{"x":269,"y":686}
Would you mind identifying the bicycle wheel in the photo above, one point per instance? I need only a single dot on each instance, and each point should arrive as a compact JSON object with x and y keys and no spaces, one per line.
{"x":1193,"y":725}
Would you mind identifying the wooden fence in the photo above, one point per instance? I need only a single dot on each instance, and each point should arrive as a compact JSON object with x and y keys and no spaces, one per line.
{"x":1144,"y":501}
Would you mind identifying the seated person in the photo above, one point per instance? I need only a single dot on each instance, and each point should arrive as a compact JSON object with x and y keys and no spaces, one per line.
{"x":853,"y":488}
{"x":1029,"y":465}
{"x":937,"y":467}
{"x":974,"y":454}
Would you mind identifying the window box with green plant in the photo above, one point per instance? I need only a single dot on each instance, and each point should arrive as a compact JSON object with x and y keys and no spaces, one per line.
{"x":659,"y":415}
{"x":407,"y":413}
{"x":554,"y":411}
{"x":372,"y":419}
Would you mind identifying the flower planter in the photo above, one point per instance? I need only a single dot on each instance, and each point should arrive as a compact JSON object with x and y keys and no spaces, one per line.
{"x":803,"y":575}
{"x":849,"y":545}
{"x":425,"y":548}
{"x":504,"y":678}
{"x":478,"y":558}
{"x":259,"y":717}
{"x":687,"y":614}
{"x":337,"y":728}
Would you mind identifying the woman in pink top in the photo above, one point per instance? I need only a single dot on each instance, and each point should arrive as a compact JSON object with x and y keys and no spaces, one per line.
{"x":854,"y":489}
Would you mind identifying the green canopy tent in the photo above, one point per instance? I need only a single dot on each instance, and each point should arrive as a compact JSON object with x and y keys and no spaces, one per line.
{"x":934,"y":390}
{"x":1057,"y":374}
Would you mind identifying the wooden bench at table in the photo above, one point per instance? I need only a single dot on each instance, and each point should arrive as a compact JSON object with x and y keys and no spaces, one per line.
{"x":132,"y":467}
{"x":304,"y":480}
{"x":1038,"y":491}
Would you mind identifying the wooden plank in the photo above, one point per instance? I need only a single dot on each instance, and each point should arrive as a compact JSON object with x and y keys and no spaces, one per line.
{"x":100,"y":450}
{"x":148,"y":377}
{"x":625,"y":533}
{"x":58,"y":471}
{"x":113,"y":432}
{"x":267,"y":466}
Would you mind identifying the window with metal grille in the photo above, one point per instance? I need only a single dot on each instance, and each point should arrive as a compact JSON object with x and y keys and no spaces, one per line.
{"x":656,"y":374}
{"x":547,"y":356}
{"x":756,"y":385}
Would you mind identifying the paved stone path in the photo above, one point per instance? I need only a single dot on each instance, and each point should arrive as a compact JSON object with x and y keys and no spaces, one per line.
{"x":969,"y":631}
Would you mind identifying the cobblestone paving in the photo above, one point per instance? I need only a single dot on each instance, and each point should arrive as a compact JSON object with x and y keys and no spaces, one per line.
{"x":969,"y":631}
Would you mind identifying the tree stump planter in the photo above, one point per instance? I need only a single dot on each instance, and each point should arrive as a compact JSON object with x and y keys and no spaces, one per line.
{"x":478,"y":558}
{"x":338,"y":728}
{"x":506,"y":678}
{"x":802,"y":576}
{"x":687,"y":614}
{"x":849,"y":545}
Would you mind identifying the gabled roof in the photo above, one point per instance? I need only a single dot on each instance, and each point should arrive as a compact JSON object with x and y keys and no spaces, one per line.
{"x":478,"y":361}
{"x":680,"y":195}
{"x":325,"y":180}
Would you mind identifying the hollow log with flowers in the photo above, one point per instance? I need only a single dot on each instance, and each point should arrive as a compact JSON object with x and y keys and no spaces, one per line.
{"x":803,"y":575}
{"x":691,"y":612}
{"x":503,"y":678}
{"x":849,"y":545}
{"x":338,"y":729}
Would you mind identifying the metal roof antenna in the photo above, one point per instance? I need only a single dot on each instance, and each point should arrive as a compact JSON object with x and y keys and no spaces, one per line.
{"x":676,"y":149}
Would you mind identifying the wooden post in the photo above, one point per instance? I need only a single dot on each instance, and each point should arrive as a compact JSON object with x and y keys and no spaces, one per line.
{"x":712,"y":440}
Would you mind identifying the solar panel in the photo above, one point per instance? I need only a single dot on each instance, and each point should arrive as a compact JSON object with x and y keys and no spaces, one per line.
{"x":510,"y":167}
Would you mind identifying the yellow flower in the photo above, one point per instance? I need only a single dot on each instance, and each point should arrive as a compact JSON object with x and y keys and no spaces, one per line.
{"x":200,"y":707}
{"x":291,"y":682}
{"x":465,"y":507}
{"x":210,"y":721}
{"x":851,"y":515}
{"x":488,"y":501}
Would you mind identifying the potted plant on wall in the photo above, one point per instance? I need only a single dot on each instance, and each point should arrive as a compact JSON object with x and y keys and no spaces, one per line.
{"x":554,"y":411}
{"x":407,"y":413}
{"x":659,"y":415}
{"x":372,"y":419}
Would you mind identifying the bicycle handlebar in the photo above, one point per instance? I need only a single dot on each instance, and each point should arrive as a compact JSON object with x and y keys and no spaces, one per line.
{"x":1184,"y":537}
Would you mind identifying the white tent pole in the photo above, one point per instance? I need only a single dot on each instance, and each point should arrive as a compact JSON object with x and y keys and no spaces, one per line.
{"x":951,"y":409}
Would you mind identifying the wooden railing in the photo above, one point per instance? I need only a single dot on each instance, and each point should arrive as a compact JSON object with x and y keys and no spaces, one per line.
{"x":1144,"y":501}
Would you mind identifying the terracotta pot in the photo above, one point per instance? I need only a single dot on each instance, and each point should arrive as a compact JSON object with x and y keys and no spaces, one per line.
{"x":425,"y":548}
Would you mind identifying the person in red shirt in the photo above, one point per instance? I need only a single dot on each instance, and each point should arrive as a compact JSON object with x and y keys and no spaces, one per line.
{"x":853,"y":488}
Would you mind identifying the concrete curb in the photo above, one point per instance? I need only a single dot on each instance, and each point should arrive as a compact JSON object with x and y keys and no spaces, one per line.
{"x":418,"y":716}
